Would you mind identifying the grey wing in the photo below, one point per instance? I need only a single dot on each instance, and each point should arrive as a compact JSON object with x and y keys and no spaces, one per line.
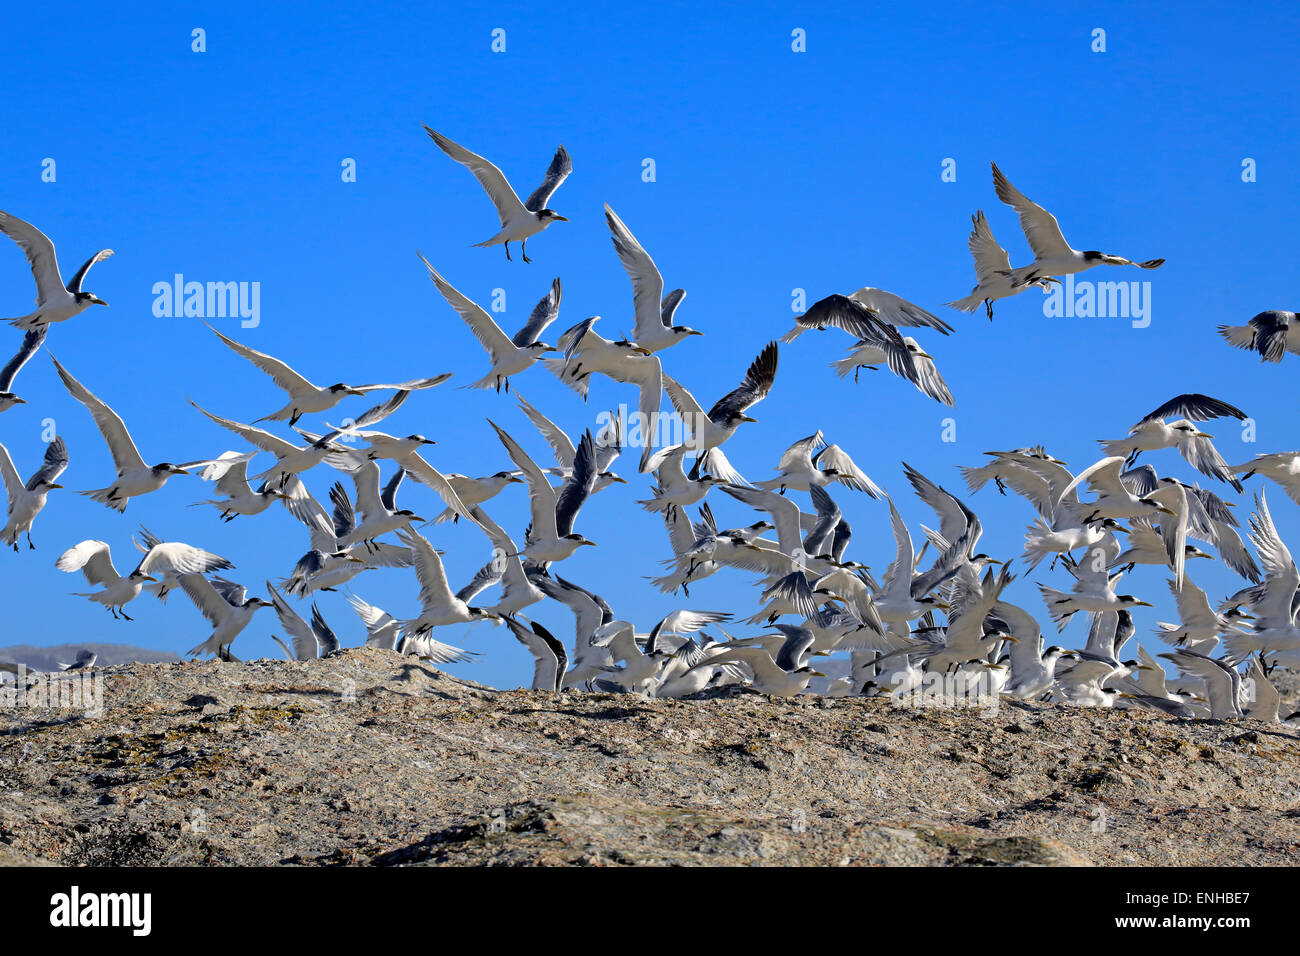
{"x":556,"y":173}
{"x":1040,"y":227}
{"x":543,"y":314}
{"x":668,"y":308}
{"x":327,"y":641}
{"x":896,"y":310}
{"x":388,"y":497}
{"x":1196,"y":407}
{"x":577,"y":487}
{"x":39,"y":250}
{"x":487,"y":576}
{"x":753,"y":389}
{"x":56,"y":460}
{"x":74,"y":284}
{"x":31,"y":343}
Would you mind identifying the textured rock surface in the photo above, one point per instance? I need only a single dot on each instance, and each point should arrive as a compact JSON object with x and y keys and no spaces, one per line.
{"x":367,"y":758}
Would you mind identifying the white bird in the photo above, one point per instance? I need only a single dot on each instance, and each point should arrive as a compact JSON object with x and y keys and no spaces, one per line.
{"x":377,"y":508}
{"x":1152,"y":433}
{"x":475,"y":491}
{"x":290,"y":459}
{"x":585,"y":353}
{"x":608,"y":446}
{"x":705,"y":432}
{"x":994,"y":278}
{"x":1033,"y":667}
{"x":506,"y":568}
{"x":55,"y":302}
{"x":1222,"y":683}
{"x":1268,"y":333}
{"x":654,"y":329}
{"x":27,"y":500}
{"x":1199,"y":626}
{"x":1053,"y":256}
{"x":767,"y":677}
{"x":509,"y":356}
{"x":230,"y":471}
{"x":1275,"y":629}
{"x":799,"y":468}
{"x":549,"y":657}
{"x":553,"y":511}
{"x":519,"y":220}
{"x":134,"y":477}
{"x":383,"y":631}
{"x":676,"y":488}
{"x":309,"y":641}
{"x":869,"y":313}
{"x":92,"y":559}
{"x":306,"y":398}
{"x":1094,"y":588}
{"x":438,"y":606}
{"x":31,"y":344}
{"x":226,"y":606}
{"x":85,"y":661}
{"x":924,"y":374}
{"x":1282,"y":467}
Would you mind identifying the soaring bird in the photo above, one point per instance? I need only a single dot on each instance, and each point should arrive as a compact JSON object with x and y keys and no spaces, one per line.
{"x":383,"y":631}
{"x":1053,"y":256}
{"x":552,"y":510}
{"x":867,"y":314}
{"x":994,"y":277}
{"x":306,"y":398}
{"x":706,"y":432}
{"x":438,"y":606}
{"x":55,"y":302}
{"x":1283,"y":467}
{"x":509,"y":356}
{"x":802,"y":466}
{"x":134,"y":477}
{"x":1268,"y":333}
{"x":1152,"y":433}
{"x":92,"y":559}
{"x":519,"y":220}
{"x":653,"y":310}
{"x":27,"y":500}
{"x":31,"y":343}
{"x":226,"y":606}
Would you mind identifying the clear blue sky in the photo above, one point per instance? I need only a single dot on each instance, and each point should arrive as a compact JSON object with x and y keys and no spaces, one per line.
{"x":776,"y":170}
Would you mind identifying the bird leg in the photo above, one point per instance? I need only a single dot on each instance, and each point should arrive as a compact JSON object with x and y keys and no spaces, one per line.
{"x":988,"y":307}
{"x":30,"y":546}
{"x":508,"y":259}
{"x":127,"y":616}
{"x":293,"y":420}
{"x":523,"y":249}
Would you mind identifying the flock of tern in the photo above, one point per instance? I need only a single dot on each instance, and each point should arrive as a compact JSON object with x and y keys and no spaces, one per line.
{"x":943,"y":618}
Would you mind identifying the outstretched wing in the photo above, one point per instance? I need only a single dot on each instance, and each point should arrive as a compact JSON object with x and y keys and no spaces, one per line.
{"x":1041,"y":228}
{"x":123,"y":450}
{"x":556,"y":173}
{"x":489,"y":177}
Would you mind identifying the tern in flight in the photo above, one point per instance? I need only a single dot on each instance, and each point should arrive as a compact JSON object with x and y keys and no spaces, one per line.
{"x":654,"y":311}
{"x":31,"y":343}
{"x":509,"y":356}
{"x":707,"y":431}
{"x":55,"y":302}
{"x":306,"y":398}
{"x":553,"y":510}
{"x":1053,"y":256}
{"x":92,"y":559}
{"x":1152,"y":433}
{"x":994,"y":277}
{"x":519,"y":220}
{"x":134,"y":477}
{"x":1268,"y":333}
{"x":27,"y":500}
{"x":226,"y":606}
